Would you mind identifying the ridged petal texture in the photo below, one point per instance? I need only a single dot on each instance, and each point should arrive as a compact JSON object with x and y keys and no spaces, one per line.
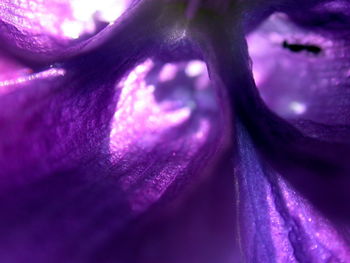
{"x":89,"y":149}
{"x":141,"y":135}
{"x":39,"y":30}
{"x":277,"y":224}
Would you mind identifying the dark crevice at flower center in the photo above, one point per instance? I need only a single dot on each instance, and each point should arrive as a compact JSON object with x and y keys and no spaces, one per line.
{"x":192,"y":8}
{"x":302,"y":47}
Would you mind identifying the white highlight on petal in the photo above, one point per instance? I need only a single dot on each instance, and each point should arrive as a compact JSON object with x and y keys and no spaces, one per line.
{"x":65,"y":19}
{"x":11,"y":84}
{"x":168,"y":72}
{"x":72,"y":29}
{"x":84,"y":13}
{"x":112,"y":9}
{"x":53,"y":72}
{"x":203,"y":130}
{"x":195,"y":68}
{"x":148,"y":124}
{"x":297,"y":107}
{"x":139,"y":118}
{"x":257,"y":46}
{"x":106,"y":10}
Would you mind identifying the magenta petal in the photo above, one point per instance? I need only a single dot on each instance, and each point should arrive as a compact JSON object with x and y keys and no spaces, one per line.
{"x":48,"y":124}
{"x":200,"y":228}
{"x":317,"y":168}
{"x":35,"y":27}
{"x":64,"y":185}
{"x":42,"y":31}
{"x":85,"y":166}
{"x":54,"y":134}
{"x":302,"y":73}
{"x":160,"y":147}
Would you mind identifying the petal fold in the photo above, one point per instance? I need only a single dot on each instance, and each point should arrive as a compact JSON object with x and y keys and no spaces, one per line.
{"x":276,"y":223}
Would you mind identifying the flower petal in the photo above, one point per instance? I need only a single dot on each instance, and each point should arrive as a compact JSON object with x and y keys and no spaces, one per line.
{"x":41,"y":31}
{"x":200,"y":228}
{"x":72,"y":180}
{"x":317,"y":168}
{"x":302,"y":73}
{"x":276,"y":223}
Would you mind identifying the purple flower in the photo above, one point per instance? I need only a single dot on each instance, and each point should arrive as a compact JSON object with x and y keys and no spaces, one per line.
{"x":174,"y":131}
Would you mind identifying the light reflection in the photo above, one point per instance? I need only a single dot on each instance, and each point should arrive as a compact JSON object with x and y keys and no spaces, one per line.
{"x":105,"y":10}
{"x":139,"y":118}
{"x":203,"y":129}
{"x":62,"y":18}
{"x":195,"y":68}
{"x":85,"y":12}
{"x":257,"y":46}
{"x":168,"y":72}
{"x":72,"y":29}
{"x":158,"y":110}
{"x":294,"y":83}
{"x":142,"y":115}
{"x":322,"y":237}
{"x":11,"y":84}
{"x":297,"y":107}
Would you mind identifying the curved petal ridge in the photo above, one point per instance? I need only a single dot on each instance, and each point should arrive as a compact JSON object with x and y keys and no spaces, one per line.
{"x":163,"y":129}
{"x":40,"y":31}
{"x":301,"y":73}
{"x":313,"y":166}
{"x":277,"y":224}
{"x":70,"y":177}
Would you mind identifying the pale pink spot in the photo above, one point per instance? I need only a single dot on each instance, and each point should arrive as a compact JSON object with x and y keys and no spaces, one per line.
{"x":168,"y":72}
{"x":195,"y":68}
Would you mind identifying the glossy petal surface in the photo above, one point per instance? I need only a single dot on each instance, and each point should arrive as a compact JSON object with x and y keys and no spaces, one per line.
{"x":48,"y":29}
{"x":301,"y":72}
{"x":108,"y":149}
{"x":277,"y":224}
